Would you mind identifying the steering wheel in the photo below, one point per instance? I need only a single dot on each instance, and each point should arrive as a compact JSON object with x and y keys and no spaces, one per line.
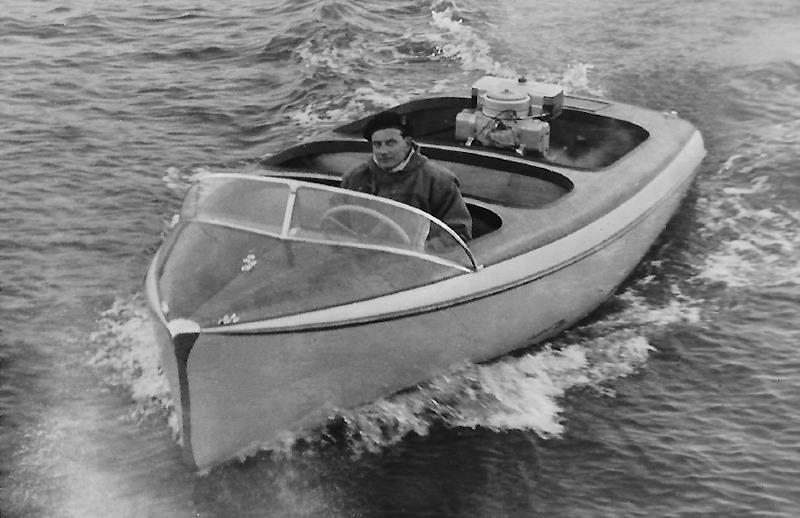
{"x":332,"y":216}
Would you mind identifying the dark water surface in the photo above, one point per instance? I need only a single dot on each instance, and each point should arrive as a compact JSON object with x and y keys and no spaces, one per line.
{"x":679,"y":397}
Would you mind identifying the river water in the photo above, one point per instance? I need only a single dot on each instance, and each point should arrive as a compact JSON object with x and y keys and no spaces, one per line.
{"x":679,"y":397}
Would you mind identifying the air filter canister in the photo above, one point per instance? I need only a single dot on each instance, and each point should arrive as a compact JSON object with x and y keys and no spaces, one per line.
{"x":505,"y":103}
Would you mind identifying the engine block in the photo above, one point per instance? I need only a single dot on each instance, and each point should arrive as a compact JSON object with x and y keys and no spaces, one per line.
{"x":526,"y":136}
{"x":510,"y":115}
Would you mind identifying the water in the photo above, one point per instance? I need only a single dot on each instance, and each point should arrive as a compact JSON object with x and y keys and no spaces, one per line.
{"x":678,"y":397}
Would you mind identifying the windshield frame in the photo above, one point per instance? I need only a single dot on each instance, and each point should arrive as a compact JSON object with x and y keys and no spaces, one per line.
{"x":286,"y":225}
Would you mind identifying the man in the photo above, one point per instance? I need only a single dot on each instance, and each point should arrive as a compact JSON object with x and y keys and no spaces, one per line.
{"x":398,"y":171}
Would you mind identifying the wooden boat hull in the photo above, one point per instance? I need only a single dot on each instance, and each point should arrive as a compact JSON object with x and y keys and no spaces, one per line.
{"x":243,"y":390}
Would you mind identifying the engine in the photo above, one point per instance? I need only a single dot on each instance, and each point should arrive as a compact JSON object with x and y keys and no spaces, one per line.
{"x":510,"y":114}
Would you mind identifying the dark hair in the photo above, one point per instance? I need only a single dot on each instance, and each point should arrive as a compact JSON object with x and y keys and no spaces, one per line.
{"x":385,"y":120}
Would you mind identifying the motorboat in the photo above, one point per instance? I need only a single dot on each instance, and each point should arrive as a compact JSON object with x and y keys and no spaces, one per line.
{"x":280,"y":299}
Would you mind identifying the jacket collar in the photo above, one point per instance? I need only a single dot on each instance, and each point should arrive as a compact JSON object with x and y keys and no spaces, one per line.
{"x":402,"y":165}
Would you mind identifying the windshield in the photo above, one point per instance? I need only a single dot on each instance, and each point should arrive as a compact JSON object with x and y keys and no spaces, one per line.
{"x":302,"y":211}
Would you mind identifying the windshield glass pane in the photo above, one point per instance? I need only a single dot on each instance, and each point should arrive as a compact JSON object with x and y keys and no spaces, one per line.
{"x":347,"y":218}
{"x":320,"y":214}
{"x":237,"y":200}
{"x":344,"y":217}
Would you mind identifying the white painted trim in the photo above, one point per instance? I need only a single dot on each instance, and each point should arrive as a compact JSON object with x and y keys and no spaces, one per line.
{"x":287,"y":215}
{"x":182,"y":326}
{"x":151,"y":290}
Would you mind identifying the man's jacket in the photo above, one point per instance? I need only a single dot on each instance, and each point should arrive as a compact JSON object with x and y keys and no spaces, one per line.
{"x":422,"y":184}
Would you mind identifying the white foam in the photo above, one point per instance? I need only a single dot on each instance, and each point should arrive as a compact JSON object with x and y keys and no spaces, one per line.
{"x":575,"y":80}
{"x":451,"y":40}
{"x":752,"y":237}
{"x":513,"y":393}
{"x":57,"y":457}
{"x":127,"y":356}
{"x":358,"y":103}
{"x":179,"y":181}
{"x":523,"y":392}
{"x":464,"y":44}
{"x":345,"y":61}
{"x":641,"y":314}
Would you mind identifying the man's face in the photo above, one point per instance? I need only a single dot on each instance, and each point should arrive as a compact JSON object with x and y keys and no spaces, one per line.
{"x":389,"y":147}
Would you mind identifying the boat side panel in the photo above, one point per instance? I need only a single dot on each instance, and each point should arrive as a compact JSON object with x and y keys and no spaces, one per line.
{"x":248,"y":390}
